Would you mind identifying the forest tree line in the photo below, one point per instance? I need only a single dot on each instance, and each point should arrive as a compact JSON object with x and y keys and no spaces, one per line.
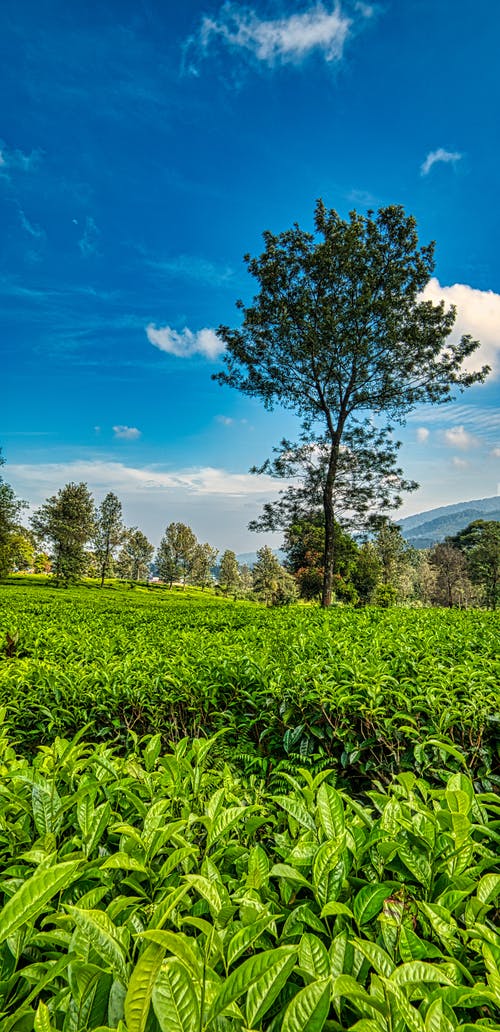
{"x":71,"y":537}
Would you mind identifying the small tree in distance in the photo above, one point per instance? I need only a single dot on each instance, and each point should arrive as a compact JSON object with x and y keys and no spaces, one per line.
{"x":272,"y":583}
{"x":204,"y":560}
{"x":108,"y":534}
{"x":176,"y":553}
{"x":229,"y":574}
{"x":135,"y":556}
{"x":339,"y":334}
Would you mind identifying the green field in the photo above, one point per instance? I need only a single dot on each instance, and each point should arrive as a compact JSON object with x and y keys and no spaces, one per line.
{"x":364,"y":687}
{"x":216,"y":817}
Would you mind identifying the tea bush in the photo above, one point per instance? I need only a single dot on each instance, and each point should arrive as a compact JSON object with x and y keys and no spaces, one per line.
{"x":162,"y":892}
{"x":365,"y":688}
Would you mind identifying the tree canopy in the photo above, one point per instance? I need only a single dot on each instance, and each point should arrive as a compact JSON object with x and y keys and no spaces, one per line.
{"x":339,"y":333}
{"x":66,"y":521}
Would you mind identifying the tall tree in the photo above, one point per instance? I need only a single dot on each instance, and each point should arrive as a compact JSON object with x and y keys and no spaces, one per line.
{"x":480,"y":543}
{"x":135,"y":555}
{"x":272,"y":583}
{"x":204,"y":560}
{"x":452,"y":585}
{"x":339,"y":334}
{"x":66,"y":522}
{"x":393,"y":552}
{"x":176,"y":553}
{"x":108,"y":534}
{"x":229,"y":573}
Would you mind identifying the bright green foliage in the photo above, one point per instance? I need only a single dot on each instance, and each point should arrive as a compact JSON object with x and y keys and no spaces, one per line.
{"x":366,"y":688}
{"x":164,"y":893}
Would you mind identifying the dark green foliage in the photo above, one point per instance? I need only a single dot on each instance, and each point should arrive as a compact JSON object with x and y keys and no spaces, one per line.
{"x":176,"y":553}
{"x":480,"y":542}
{"x":338,"y":332}
{"x":272,"y":584}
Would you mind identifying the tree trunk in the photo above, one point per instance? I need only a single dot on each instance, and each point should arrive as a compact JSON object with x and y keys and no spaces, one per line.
{"x":329,"y":554}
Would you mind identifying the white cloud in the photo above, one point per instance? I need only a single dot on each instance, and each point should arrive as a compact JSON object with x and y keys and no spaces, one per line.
{"x":216,"y":503}
{"x":423,"y":434}
{"x":225,"y":420}
{"x":496,"y":453}
{"x":125,"y":433}
{"x":204,"y":480}
{"x":459,"y":437}
{"x":281,"y":40}
{"x":186,"y":343}
{"x":478,"y":313}
{"x":460,"y":463}
{"x":437,"y":156}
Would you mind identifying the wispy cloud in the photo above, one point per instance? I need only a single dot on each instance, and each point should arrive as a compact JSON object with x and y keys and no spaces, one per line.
{"x":439,"y":156}
{"x":478,"y":313}
{"x":278,"y":41}
{"x":186,"y":343}
{"x":460,"y":463}
{"x":125,"y":433}
{"x":35,"y":231}
{"x":186,"y":266}
{"x":15,"y":159}
{"x":89,"y":242}
{"x":459,"y":437}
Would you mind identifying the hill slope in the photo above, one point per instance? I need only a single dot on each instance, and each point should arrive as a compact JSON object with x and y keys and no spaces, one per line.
{"x":427,"y":528}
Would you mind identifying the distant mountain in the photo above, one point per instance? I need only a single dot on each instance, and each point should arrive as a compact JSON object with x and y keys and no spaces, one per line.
{"x":425,"y":528}
{"x":428,"y":528}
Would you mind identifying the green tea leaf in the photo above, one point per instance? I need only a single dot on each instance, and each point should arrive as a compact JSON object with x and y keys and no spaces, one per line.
{"x":368,"y":902}
{"x":246,"y":974}
{"x":30,"y":899}
{"x":140,"y":987}
{"x":175,"y":1002}
{"x":308,"y":1010}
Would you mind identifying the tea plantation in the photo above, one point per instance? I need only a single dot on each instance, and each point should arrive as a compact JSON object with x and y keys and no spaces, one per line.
{"x":220,"y":818}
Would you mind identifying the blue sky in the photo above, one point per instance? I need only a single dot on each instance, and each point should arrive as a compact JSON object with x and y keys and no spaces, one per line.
{"x":144,"y":148}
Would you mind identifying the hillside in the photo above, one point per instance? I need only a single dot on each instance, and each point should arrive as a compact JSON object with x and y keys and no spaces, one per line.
{"x":427,"y":528}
